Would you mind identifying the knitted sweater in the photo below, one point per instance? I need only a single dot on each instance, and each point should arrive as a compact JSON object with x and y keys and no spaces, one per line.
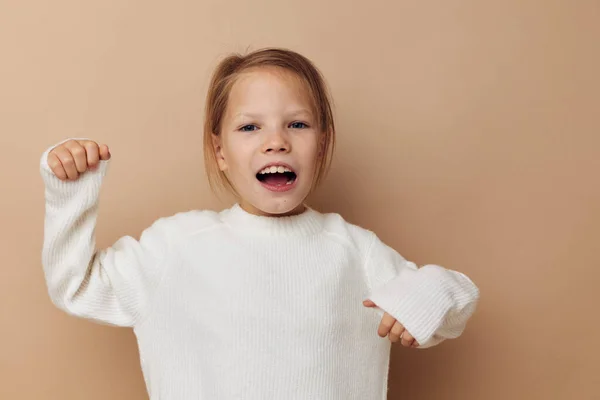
{"x":229,"y":305}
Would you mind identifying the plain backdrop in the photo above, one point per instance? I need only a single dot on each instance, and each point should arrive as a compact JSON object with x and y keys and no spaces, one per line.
{"x":469,"y":136}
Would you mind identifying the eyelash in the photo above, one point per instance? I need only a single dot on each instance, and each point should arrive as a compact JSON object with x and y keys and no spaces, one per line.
{"x":305,"y":125}
{"x":244,"y":128}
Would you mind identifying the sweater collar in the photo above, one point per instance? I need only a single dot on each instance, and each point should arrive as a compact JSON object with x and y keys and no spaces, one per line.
{"x":307,"y":223}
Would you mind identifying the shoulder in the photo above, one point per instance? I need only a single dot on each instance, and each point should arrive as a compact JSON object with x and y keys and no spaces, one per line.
{"x":338,"y":228}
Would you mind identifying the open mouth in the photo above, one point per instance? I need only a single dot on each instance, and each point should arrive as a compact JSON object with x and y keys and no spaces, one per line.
{"x":276,"y":176}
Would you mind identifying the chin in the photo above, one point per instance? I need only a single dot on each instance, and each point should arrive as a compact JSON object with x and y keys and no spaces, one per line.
{"x":276,"y":206}
{"x":286,"y":207}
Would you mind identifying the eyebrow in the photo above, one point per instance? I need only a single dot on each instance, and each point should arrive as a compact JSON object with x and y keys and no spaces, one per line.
{"x":294,"y":113}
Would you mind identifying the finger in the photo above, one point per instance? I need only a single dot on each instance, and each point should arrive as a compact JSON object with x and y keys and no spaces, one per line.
{"x":396,"y":332}
{"x":407,"y":339}
{"x":92,"y":153}
{"x":68,"y":163}
{"x":415,"y":344}
{"x":104,"y":152}
{"x":386,"y":325}
{"x":369,"y":303}
{"x":57,"y":167}
{"x":79,"y":155}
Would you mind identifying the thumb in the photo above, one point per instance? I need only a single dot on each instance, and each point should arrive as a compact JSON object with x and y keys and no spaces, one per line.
{"x":104,"y":152}
{"x":369,"y":303}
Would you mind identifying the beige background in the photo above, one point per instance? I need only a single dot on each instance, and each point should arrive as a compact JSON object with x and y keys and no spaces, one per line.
{"x":468,"y":136}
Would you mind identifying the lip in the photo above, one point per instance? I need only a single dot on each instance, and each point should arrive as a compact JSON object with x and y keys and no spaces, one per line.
{"x":282,"y":188}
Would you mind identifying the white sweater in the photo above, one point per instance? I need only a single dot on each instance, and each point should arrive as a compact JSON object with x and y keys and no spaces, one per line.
{"x":229,"y":305}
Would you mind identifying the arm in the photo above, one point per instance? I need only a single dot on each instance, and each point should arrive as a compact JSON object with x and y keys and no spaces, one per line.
{"x":432,"y":303}
{"x":112,"y":285}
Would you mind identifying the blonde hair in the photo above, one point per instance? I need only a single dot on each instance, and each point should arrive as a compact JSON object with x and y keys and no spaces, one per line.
{"x":217,"y":97}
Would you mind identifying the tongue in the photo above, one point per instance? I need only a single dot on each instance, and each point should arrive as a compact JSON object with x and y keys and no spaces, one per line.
{"x":275,"y":179}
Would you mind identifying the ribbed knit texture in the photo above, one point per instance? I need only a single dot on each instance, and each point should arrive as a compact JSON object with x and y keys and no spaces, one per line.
{"x":229,"y":305}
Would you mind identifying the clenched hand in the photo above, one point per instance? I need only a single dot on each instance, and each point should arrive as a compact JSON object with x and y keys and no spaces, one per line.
{"x":72,"y":158}
{"x":390,"y":327}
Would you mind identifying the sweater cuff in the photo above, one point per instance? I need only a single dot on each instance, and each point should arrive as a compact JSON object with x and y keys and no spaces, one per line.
{"x":426,"y":300}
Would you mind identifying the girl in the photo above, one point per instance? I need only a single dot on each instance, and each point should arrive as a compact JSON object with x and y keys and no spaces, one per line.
{"x":268,"y":299}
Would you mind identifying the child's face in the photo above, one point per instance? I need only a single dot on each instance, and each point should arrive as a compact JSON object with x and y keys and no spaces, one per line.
{"x":269,"y":141}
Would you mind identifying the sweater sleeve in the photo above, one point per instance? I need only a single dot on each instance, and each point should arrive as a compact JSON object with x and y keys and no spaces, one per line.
{"x":431,"y":302}
{"x":112,"y":285}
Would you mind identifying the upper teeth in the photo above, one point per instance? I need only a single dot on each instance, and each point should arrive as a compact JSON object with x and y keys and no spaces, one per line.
{"x":274,"y":169}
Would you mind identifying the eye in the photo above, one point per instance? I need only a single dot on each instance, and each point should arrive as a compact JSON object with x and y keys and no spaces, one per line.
{"x":298,"y":125}
{"x":248,"y":128}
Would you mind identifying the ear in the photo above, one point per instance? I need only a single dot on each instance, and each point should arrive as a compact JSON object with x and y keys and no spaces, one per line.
{"x":218,"y":149}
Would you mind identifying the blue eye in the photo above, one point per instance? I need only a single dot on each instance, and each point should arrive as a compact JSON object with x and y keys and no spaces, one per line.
{"x":248,"y":128}
{"x":298,"y":125}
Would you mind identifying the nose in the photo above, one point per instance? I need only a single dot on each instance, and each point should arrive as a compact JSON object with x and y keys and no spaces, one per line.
{"x":276,"y":142}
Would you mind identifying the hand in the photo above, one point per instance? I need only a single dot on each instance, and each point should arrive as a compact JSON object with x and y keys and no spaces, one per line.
{"x":393,"y":329}
{"x":73,"y":157}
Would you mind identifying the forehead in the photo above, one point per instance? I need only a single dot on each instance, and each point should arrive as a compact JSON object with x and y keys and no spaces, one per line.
{"x":268,"y":84}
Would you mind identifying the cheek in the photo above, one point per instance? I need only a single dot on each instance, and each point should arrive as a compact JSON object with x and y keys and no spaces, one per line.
{"x":237,"y":156}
